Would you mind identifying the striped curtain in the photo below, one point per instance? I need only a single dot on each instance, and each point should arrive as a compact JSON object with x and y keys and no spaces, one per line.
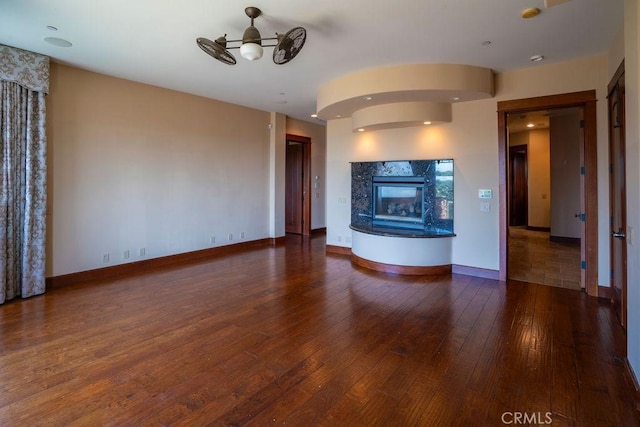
{"x":24,"y":81}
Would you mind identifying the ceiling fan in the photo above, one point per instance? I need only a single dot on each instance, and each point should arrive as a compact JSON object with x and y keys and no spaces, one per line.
{"x":286,"y":46}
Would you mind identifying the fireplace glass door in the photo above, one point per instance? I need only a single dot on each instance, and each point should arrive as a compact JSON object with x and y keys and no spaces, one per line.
{"x":398,"y":202}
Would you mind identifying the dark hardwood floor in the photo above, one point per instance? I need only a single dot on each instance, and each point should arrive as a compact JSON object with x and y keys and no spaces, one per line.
{"x":290,"y":335}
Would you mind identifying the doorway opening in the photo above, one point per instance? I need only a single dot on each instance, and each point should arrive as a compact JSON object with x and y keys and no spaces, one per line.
{"x":584,"y":103}
{"x":297,"y":185}
{"x":544,"y":223}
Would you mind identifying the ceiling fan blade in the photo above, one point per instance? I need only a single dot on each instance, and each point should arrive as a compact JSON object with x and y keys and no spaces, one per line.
{"x":289,"y":45}
{"x":216,"y":49}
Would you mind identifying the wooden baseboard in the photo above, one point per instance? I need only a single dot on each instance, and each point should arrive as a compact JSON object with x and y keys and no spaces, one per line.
{"x":436,"y":270}
{"x":277,"y":241}
{"x":534,"y":228}
{"x":338,"y":250}
{"x":476,"y":272}
{"x":605,"y":292}
{"x":147,"y":265}
{"x":569,"y":240}
{"x":322,"y":230}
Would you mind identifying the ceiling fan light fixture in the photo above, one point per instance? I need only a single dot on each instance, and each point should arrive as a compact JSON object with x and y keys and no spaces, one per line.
{"x":251,"y":48}
{"x":251,"y":51}
{"x":286,"y":46}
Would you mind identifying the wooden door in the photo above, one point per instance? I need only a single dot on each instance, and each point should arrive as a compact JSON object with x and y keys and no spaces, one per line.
{"x":617,"y":195}
{"x":518,"y":187}
{"x":294,"y":187}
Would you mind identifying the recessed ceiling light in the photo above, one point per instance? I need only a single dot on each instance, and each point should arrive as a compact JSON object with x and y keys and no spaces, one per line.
{"x":536,"y":58}
{"x":530,"y":125}
{"x":361,"y":130}
{"x":314,"y":115}
{"x":530,"y":12}
{"x":427,"y":123}
{"x":454,"y":98}
{"x":367,"y":98}
{"x":58,"y":42}
{"x":51,"y":28}
{"x":338,"y":116}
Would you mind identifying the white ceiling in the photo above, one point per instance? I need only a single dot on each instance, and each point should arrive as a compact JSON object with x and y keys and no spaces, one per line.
{"x":154,"y":41}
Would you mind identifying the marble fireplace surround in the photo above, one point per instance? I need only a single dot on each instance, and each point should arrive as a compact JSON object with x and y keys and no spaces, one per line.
{"x":422,"y":251}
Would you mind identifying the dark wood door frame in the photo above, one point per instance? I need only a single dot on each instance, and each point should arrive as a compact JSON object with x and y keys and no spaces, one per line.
{"x":306,"y":181}
{"x":587,"y":102}
{"x":617,"y":193}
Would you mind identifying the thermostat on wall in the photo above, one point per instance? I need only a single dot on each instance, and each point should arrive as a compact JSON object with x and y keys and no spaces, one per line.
{"x":484,"y":194}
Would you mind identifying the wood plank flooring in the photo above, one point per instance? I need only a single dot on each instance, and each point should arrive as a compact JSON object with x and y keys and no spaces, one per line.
{"x":292,"y":336}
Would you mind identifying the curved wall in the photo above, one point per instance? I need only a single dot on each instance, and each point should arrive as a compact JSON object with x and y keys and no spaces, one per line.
{"x":396,"y":85}
{"x":412,"y":252}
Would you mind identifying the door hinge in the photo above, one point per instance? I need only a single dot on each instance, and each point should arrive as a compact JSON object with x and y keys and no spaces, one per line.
{"x":581,"y":124}
{"x":611,"y":274}
{"x":583,"y":265}
{"x":611,"y":168}
{"x":582,"y":170}
{"x":583,"y":217}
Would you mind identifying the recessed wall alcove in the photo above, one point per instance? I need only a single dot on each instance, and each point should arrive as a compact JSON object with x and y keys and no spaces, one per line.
{"x":402,"y":215}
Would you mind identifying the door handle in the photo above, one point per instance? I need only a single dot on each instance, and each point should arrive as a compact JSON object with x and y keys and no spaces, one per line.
{"x":618,"y":234}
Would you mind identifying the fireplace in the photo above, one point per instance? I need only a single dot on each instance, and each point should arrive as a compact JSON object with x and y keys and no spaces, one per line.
{"x":402,"y":215}
{"x":398,"y":201}
{"x":403,"y":198}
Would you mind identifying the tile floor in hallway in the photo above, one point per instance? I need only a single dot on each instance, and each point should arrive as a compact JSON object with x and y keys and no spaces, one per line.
{"x":534,"y":258}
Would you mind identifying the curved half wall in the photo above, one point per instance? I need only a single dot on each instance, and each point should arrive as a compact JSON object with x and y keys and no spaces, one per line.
{"x":402,"y":255}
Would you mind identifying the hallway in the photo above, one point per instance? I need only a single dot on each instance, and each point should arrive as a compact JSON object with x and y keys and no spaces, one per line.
{"x":534,"y":258}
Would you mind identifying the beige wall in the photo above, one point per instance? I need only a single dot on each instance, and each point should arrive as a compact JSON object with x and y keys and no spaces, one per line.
{"x":538,"y":175}
{"x":632,"y":81}
{"x":518,"y":138}
{"x":471,"y":140}
{"x":133,"y":166}
{"x":318,"y":136}
{"x":539,"y":179}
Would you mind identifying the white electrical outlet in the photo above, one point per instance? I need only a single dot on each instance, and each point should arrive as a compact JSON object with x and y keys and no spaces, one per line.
{"x":242,"y":234}
{"x":485,"y":207}
{"x":105,"y":258}
{"x":339,"y":238}
{"x":230,"y":236}
{"x":212,"y":240}
{"x":143,"y":252}
{"x":125,"y":254}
